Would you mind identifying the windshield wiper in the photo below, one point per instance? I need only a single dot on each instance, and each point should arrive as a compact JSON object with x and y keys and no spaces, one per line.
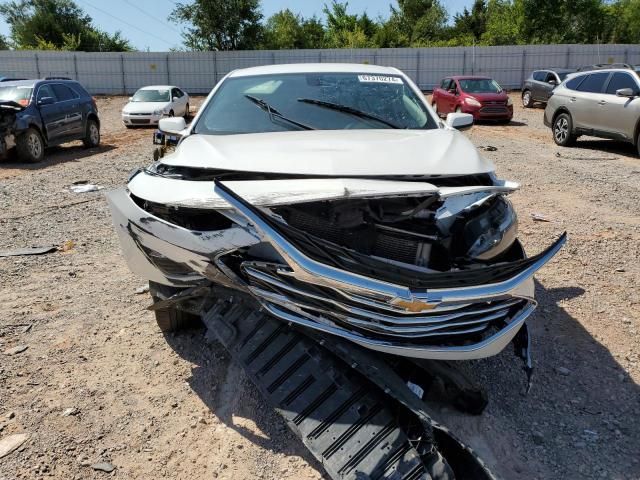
{"x":350,"y":110}
{"x":275,"y":114}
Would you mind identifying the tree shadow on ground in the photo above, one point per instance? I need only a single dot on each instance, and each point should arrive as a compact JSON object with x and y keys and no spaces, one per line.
{"x":596,"y":395}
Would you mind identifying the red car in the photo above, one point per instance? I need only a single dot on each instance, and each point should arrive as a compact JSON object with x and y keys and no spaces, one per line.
{"x":482,"y":97}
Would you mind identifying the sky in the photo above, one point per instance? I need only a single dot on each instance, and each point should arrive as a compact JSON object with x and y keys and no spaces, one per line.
{"x":144,"y":22}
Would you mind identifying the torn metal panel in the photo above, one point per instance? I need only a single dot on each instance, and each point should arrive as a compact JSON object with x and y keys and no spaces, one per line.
{"x":200,"y":194}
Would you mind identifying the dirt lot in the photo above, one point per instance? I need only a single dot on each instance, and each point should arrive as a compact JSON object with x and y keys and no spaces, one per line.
{"x":99,"y":383}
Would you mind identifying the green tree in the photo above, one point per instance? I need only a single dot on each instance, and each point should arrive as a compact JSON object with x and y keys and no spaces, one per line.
{"x":312,"y":33}
{"x":504,"y":20}
{"x":283,"y":30}
{"x":471,"y":23}
{"x":4,"y":45}
{"x":56,"y":25}
{"x":345,"y":30}
{"x":623,"y":22}
{"x":220,"y":24}
{"x":420,"y":22}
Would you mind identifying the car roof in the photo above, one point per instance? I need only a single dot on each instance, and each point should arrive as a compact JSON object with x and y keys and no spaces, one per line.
{"x":157,"y":87}
{"x":315,"y":68}
{"x":470,"y":77}
{"x":557,"y":70}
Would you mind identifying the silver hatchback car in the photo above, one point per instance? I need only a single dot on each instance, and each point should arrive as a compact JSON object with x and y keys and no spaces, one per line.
{"x":599,"y":103}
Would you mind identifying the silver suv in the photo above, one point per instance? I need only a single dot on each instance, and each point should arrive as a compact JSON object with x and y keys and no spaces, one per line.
{"x":599,"y":103}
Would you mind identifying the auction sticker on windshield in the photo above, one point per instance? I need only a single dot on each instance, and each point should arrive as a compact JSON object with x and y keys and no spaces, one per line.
{"x":378,"y":79}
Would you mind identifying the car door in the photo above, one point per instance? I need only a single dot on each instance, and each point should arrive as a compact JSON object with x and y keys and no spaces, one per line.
{"x":546,"y":87}
{"x":583,"y":102}
{"x":440,"y":95}
{"x":536,"y":78}
{"x":52,"y":117}
{"x":69,"y":106}
{"x":453,"y":94}
{"x":177,"y":102}
{"x":619,"y":115}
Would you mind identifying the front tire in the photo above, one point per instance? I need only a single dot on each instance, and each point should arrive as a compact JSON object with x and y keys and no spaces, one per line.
{"x":563,"y":130}
{"x":30,"y":146}
{"x":527,"y":99}
{"x":92,"y":137}
{"x":171,"y":319}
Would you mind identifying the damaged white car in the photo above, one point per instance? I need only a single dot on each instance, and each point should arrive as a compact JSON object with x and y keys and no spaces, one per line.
{"x":333,"y":198}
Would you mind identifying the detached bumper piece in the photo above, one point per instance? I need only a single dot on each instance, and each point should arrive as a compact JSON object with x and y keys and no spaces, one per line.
{"x":458,"y":315}
{"x":358,"y":422}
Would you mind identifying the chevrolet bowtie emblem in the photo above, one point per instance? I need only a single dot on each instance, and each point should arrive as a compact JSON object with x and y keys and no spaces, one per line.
{"x":413,"y":306}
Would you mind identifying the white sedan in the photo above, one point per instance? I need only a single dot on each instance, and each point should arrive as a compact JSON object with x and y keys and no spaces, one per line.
{"x":149,"y":104}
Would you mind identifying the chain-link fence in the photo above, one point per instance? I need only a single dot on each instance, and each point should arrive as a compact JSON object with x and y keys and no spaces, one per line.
{"x":198,"y":72}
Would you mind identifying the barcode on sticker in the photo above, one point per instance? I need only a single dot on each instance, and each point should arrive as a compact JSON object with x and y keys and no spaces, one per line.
{"x":379,"y":79}
{"x":417,"y":389}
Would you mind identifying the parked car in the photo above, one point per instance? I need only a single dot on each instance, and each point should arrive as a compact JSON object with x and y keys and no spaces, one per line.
{"x":600,"y":103}
{"x":149,"y":104}
{"x":36,"y":114}
{"x":328,"y":202}
{"x":538,"y":87}
{"x":481,"y":97}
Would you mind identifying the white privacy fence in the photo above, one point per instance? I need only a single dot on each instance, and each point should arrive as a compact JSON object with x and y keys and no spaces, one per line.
{"x":198,"y":72}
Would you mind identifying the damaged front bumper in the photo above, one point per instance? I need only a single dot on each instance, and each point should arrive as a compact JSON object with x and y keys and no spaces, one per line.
{"x":457,"y":315}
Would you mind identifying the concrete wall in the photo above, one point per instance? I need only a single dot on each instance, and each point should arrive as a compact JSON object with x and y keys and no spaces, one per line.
{"x":198,"y":72}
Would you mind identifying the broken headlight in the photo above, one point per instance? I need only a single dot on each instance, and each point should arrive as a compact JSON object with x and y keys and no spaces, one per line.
{"x":491,"y":231}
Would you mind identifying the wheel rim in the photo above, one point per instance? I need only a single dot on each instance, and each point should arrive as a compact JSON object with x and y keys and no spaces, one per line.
{"x":94,"y":134}
{"x":526,"y":98}
{"x":561,"y":130}
{"x":34,"y":145}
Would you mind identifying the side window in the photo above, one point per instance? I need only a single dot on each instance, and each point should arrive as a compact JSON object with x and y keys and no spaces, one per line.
{"x":550,"y":76}
{"x":63,"y":93}
{"x":621,"y":80}
{"x":539,"y":76}
{"x":45,"y":91}
{"x":594,"y":82}
{"x":574,"y":82}
{"x":445,"y":83}
{"x":175,"y":93}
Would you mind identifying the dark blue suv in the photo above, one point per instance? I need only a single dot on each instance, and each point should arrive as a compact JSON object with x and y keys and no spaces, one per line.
{"x":36,"y":114}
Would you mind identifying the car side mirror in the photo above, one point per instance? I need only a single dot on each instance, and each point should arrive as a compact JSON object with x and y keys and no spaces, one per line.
{"x":46,"y":101}
{"x":626,"y":92}
{"x":459,"y":121}
{"x":172,"y":125}
{"x":552,"y":82}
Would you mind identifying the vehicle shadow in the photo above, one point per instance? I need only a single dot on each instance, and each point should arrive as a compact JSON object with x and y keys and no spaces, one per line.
{"x":223,"y":387}
{"x":582,"y":400}
{"x":609,"y":146}
{"x":582,"y":411}
{"x":57,"y":155}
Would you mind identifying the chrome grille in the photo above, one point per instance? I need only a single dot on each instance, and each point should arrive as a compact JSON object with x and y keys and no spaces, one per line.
{"x":448,"y":323}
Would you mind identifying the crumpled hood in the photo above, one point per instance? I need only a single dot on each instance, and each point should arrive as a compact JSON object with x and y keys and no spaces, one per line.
{"x":144,"y":107}
{"x":335,"y":153}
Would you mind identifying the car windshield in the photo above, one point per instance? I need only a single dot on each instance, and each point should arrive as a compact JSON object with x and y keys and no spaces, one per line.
{"x":151,"y":95}
{"x":18,"y":94}
{"x":480,"y":85}
{"x":322,"y":101}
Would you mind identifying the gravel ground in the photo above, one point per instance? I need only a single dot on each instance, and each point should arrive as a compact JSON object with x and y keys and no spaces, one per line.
{"x":98,"y":387}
